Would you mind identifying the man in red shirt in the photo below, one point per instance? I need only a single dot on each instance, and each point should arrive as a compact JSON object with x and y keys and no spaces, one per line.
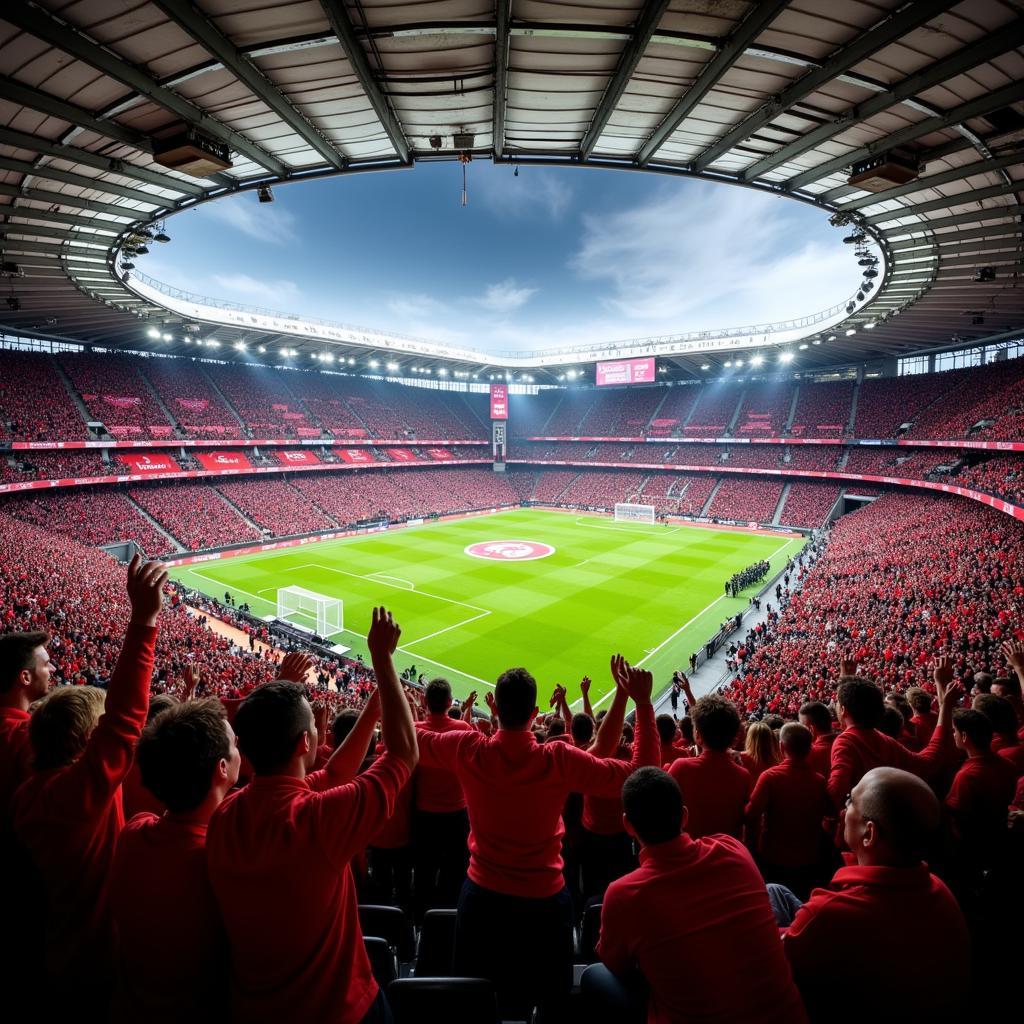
{"x":979,"y":799}
{"x":68,"y":813}
{"x":861,"y":746}
{"x":816,"y":716}
{"x":784,"y":816}
{"x":693,"y":920}
{"x":25,"y":676}
{"x":440,"y":824}
{"x":514,"y":920}
{"x":160,"y":894}
{"x":278,"y":851}
{"x":715,"y":787}
{"x":873,"y":912}
{"x":924,"y":719}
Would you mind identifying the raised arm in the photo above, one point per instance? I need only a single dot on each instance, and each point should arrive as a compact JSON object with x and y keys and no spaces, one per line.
{"x":397,"y":728}
{"x":351,"y":752}
{"x":111,"y":747}
{"x":585,"y":691}
{"x":609,"y":730}
{"x":467,"y":706}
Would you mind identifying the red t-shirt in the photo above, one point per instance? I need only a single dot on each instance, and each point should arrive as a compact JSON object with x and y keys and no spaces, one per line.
{"x":438,"y":791}
{"x":856,"y":751}
{"x":979,"y":798}
{"x":172,"y":950}
{"x":715,"y":792}
{"x":1014,"y":753}
{"x":694,"y":918}
{"x":785,"y":812}
{"x":862,"y":927}
{"x":924,"y":725}
{"x":278,"y":854}
{"x":69,"y":818}
{"x":602,"y":815}
{"x":820,"y":758}
{"x":515,"y":790}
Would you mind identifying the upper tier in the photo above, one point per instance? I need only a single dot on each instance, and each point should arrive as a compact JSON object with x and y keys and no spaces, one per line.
{"x":47,"y":398}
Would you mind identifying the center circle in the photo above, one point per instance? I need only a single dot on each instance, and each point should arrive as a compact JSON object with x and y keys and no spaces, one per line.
{"x":510,"y":550}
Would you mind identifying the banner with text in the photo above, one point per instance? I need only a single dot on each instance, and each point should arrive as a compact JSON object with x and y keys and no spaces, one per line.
{"x":499,"y":401}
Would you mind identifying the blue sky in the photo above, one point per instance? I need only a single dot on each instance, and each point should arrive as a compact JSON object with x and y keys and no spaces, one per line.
{"x":555,"y":256}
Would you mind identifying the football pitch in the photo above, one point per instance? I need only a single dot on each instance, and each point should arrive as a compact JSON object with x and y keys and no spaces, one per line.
{"x":653,"y":592}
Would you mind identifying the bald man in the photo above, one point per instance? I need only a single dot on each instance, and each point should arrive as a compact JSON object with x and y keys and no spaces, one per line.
{"x":854,"y":938}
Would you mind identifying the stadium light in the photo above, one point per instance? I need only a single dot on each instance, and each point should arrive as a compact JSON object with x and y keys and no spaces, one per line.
{"x":442,"y":372}
{"x":728,"y":364}
{"x":262,"y":349}
{"x":804,"y":347}
{"x":212,"y":343}
{"x":756,"y":360}
{"x":327,"y":357}
{"x":351,"y":361}
{"x":870,"y":326}
{"x":786,"y":357}
{"x":239,"y":346}
{"x":373,"y":364}
{"x":851,"y":331}
{"x":153,"y":333}
{"x":167,"y":337}
{"x":831,"y":337}
{"x":705,"y":366}
{"x":817,"y":341}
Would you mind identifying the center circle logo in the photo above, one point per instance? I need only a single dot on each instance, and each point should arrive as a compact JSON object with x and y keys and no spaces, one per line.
{"x":510,"y":550}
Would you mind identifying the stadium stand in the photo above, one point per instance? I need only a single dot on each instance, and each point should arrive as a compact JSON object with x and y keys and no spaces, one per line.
{"x":764,"y":410}
{"x":276,"y":506}
{"x":744,"y":499}
{"x":185,"y":390}
{"x":264,"y":400}
{"x":35,"y":404}
{"x":823,"y":410}
{"x":808,"y":504}
{"x":1003,"y":477}
{"x":42,"y":465}
{"x":884,"y":405}
{"x":194,"y":514}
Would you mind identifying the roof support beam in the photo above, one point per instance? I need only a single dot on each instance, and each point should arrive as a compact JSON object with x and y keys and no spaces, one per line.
{"x":964,"y":112}
{"x":502,"y":19}
{"x":84,"y":181}
{"x":933,"y":180}
{"x":897,"y":25}
{"x":188,"y":18}
{"x":74,"y":202}
{"x":989,"y":46}
{"x":939,"y":242}
{"x":24,"y":214}
{"x":337,"y":15}
{"x":975,"y":217}
{"x":47,"y":147}
{"x":59,"y":33}
{"x":73,"y":236}
{"x":648,"y":21}
{"x":945,"y":203}
{"x":759,"y":17}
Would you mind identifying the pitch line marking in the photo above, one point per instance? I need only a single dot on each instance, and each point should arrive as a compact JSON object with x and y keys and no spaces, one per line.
{"x":412,"y":654}
{"x":659,"y":530}
{"x":397,"y":579}
{"x":430,"y":636}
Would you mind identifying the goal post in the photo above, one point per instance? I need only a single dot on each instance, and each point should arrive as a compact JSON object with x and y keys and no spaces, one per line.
{"x":627,"y":512}
{"x":310,"y":610}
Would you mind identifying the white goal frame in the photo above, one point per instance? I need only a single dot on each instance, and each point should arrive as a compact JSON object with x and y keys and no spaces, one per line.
{"x":327,"y":612}
{"x":627,"y":512}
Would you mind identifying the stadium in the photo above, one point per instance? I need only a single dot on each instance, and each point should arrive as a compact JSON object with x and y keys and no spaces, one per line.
{"x":585,"y":596}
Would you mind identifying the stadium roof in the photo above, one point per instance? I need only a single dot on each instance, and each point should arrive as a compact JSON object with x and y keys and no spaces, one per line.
{"x":780,"y":96}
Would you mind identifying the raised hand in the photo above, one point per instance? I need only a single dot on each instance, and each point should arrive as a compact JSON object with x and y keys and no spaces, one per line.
{"x":637,"y":682}
{"x":145,"y":590}
{"x":295,"y":666}
{"x":619,"y":665}
{"x":848,"y":666}
{"x":470,"y":700}
{"x":384,"y":633}
{"x":942,"y":673}
{"x":1013,"y":650}
{"x":585,"y":686}
{"x":191,"y":675}
{"x":557,"y":696}
{"x":491,"y":705}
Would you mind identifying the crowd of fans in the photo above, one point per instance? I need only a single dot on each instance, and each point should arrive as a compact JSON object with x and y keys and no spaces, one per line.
{"x":53,"y":465}
{"x":34,"y":402}
{"x":116,"y":394}
{"x":1003,"y":477}
{"x":808,"y":504}
{"x":196,"y":515}
{"x":823,"y":410}
{"x":186,"y":391}
{"x":743,"y":498}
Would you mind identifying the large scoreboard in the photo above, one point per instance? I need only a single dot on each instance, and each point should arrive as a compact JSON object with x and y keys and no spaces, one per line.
{"x":626,"y":371}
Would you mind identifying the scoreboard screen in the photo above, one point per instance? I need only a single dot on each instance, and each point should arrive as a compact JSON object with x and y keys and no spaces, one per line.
{"x":626,"y":371}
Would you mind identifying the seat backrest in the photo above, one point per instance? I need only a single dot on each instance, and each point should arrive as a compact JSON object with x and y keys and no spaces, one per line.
{"x":590,"y":931}
{"x":382,"y":960}
{"x":436,"y":951}
{"x":445,"y":1000}
{"x":389,"y":923}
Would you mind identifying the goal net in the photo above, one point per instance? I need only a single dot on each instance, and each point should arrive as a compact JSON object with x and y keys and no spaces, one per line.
{"x":625,"y":512}
{"x":307,"y":609}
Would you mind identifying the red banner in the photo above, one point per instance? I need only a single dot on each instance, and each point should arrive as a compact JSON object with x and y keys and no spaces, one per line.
{"x":122,"y":401}
{"x":158,"y":462}
{"x":160,"y":429}
{"x":294,"y":415}
{"x":499,"y":401}
{"x":401,"y":454}
{"x":440,"y":454}
{"x":351,"y":432}
{"x":302,"y":458}
{"x":307,"y":431}
{"x":355,"y":455}
{"x":224,"y":460}
{"x":195,"y":404}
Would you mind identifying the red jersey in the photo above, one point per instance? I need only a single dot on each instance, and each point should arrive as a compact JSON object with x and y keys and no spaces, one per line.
{"x":515,"y":790}
{"x":785,"y":814}
{"x":438,"y":791}
{"x":278,"y":854}
{"x":163,"y":907}
{"x":820,"y":758}
{"x":715,"y":792}
{"x":979,"y":799}
{"x":862,"y":927}
{"x":694,"y":918}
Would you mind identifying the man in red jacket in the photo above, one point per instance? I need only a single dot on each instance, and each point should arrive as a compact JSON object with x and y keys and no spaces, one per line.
{"x":514,"y":921}
{"x":715,"y":787}
{"x":861,"y":746}
{"x":876,"y":910}
{"x":440,"y":824}
{"x":188,"y":759}
{"x":784,"y":816}
{"x":816,"y":716}
{"x":693,"y":921}
{"x":68,"y":812}
{"x":278,"y":851}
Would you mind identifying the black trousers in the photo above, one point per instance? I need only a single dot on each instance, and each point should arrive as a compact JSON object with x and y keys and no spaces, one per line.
{"x":440,"y":858}
{"x":523,"y":946}
{"x":604,"y":858}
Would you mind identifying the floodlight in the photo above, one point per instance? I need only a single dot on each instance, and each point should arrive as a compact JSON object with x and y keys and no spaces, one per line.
{"x":851,"y":331}
{"x":167,"y":337}
{"x":786,"y":357}
{"x":153,"y":333}
{"x":706,"y":366}
{"x":756,"y":360}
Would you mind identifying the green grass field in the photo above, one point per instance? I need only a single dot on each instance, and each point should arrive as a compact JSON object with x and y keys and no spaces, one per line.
{"x":652,"y":592}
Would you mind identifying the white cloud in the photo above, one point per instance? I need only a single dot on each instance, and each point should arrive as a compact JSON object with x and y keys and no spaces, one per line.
{"x":505,"y":296}
{"x":417,"y":306}
{"x":257,"y":220}
{"x":534,"y":193}
{"x":272,"y":293}
{"x":705,"y":256}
